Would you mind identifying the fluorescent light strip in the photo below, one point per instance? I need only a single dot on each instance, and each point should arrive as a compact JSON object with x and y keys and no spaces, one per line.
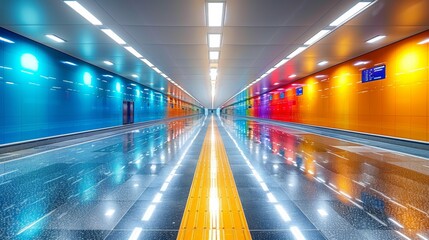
{"x":147,"y":62}
{"x":281,"y":63}
{"x":215,"y":14}
{"x":350,"y":14}
{"x":157,"y":70}
{"x":6,"y":40}
{"x":296,"y":52}
{"x":292,"y":76}
{"x":108,"y":63}
{"x":271,"y":70}
{"x":83,"y":12}
{"x":322,"y":63}
{"x":376,"y":39}
{"x":134,"y":75}
{"x":114,"y":36}
{"x":214,"y":40}
{"x":317,"y":37}
{"x":133,"y":51}
{"x":55,"y":38}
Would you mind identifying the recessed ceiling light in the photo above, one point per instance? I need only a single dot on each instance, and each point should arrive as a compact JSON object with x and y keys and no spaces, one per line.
{"x":107,"y":75}
{"x":317,"y":37}
{"x":361,"y":63}
{"x":215,"y":14}
{"x":134,"y":75}
{"x":162,"y":88}
{"x":296,"y":52}
{"x":83,"y":12}
{"x":276,"y":83}
{"x":265,"y":88}
{"x":376,"y":39}
{"x":322,"y":63}
{"x":214,"y":40}
{"x":350,"y":13}
{"x":55,"y":38}
{"x":147,"y":62}
{"x":422,"y":42}
{"x":108,"y":63}
{"x":6,"y":40}
{"x":114,"y":36}
{"x":214,"y":55}
{"x":292,"y":76}
{"x":133,"y":51}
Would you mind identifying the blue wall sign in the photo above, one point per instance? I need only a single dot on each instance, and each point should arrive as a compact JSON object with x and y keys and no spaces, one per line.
{"x":299,"y":91}
{"x":375,"y":73}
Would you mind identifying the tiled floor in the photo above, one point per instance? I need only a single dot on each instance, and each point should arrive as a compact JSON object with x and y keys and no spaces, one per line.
{"x":292,"y":185}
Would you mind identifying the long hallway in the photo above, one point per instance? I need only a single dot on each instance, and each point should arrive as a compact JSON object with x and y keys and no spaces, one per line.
{"x":214,"y":178}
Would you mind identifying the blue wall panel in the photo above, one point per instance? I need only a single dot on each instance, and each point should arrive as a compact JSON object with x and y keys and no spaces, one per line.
{"x":42,"y":96}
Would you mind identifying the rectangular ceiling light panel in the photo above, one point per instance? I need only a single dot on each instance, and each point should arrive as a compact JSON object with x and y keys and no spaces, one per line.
{"x":356,"y":9}
{"x":114,"y":36}
{"x":55,"y":38}
{"x":215,"y":14}
{"x":296,"y":52}
{"x":317,"y":37}
{"x":83,"y":12}
{"x":376,"y":39}
{"x":214,"y":55}
{"x":147,"y":62}
{"x":133,"y":51}
{"x":214,"y":40}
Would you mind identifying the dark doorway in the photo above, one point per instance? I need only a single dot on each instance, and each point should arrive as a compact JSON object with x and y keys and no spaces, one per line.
{"x":127,"y":112}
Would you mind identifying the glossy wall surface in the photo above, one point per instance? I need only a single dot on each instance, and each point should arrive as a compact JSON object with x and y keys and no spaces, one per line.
{"x":395,"y":106}
{"x":44,"y":92}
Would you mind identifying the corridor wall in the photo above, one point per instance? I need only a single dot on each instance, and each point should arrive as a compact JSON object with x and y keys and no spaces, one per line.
{"x":44,"y":92}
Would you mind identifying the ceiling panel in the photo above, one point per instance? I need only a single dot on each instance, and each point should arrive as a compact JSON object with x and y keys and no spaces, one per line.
{"x":173,"y":35}
{"x":168,"y":35}
{"x":156,"y":13}
{"x":277,"y":12}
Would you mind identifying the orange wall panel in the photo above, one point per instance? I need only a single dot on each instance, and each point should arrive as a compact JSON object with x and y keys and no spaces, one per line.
{"x":396,"y":106}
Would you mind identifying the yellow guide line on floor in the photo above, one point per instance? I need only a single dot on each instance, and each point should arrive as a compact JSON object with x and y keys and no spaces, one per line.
{"x":213,"y":209}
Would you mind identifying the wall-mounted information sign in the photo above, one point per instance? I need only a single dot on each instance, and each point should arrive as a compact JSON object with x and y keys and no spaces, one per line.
{"x":282,"y":95}
{"x":299,"y":91}
{"x":373,"y":74}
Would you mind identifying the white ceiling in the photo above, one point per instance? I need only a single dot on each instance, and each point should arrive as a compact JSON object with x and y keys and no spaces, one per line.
{"x":172,"y":34}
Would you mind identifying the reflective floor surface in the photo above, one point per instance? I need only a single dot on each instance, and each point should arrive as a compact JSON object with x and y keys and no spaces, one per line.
{"x":292,"y":185}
